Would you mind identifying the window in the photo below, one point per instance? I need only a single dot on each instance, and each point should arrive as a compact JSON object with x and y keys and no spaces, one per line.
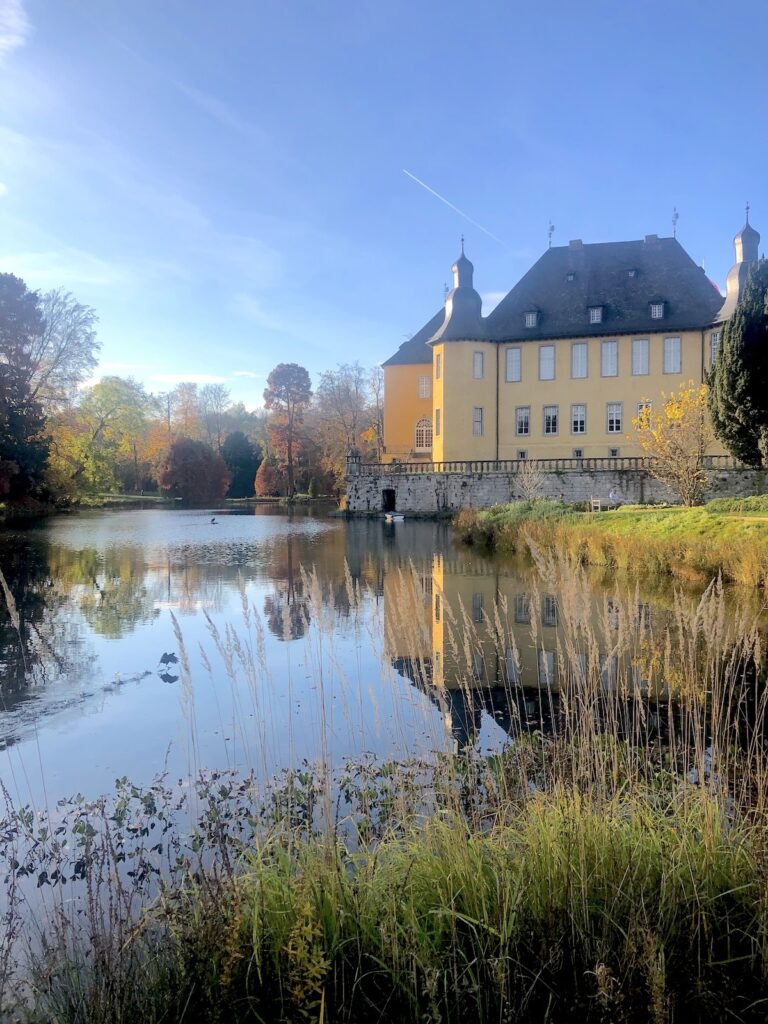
{"x":523,"y":420}
{"x":477,"y":421}
{"x":424,"y":435}
{"x":438,"y":366}
{"x":438,"y":417}
{"x":672,"y":363}
{"x":578,"y":419}
{"x":478,"y":601}
{"x":522,"y":609}
{"x":478,"y":664}
{"x":614,"y":417}
{"x":478,"y":365}
{"x":578,"y":453}
{"x":657,"y":311}
{"x":613,"y":453}
{"x":632,"y":272}
{"x":522,"y":454}
{"x":425,"y":387}
{"x":546,"y":666}
{"x":512,"y":666}
{"x":609,"y":359}
{"x":595,"y":314}
{"x":643,"y":407}
{"x":640,"y":364}
{"x":570,"y":276}
{"x":550,"y":419}
{"x":579,"y":359}
{"x":531,"y":318}
{"x":548,"y":610}
{"x":714,"y":345}
{"x":514,"y":368}
{"x":546,"y":362}
{"x":437,"y":608}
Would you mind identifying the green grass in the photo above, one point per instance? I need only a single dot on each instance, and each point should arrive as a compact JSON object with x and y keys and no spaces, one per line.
{"x":696,"y":543}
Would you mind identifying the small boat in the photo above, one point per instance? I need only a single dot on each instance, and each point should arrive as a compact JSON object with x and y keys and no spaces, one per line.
{"x":393,"y":517}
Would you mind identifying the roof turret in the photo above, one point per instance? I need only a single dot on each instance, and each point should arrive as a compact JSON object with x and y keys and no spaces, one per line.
{"x":463,"y":306}
{"x":745,"y":244}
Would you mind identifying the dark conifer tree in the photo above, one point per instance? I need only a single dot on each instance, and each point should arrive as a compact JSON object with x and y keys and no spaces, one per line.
{"x":738,"y":381}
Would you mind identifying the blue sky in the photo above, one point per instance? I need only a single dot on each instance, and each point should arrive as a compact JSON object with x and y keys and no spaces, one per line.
{"x":224,"y":181}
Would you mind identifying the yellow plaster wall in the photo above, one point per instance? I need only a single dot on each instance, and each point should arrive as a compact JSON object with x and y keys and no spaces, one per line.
{"x":403,"y":409}
{"x":459,"y":395}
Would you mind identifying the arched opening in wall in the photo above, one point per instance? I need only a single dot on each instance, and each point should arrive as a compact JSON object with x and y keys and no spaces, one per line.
{"x":424,"y":435}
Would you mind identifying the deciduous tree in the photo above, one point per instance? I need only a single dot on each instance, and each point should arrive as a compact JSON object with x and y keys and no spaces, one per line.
{"x":63,"y":354}
{"x":286,"y":396}
{"x":194,"y":471}
{"x":214,"y":399}
{"x":738,"y":381}
{"x":676,"y":439}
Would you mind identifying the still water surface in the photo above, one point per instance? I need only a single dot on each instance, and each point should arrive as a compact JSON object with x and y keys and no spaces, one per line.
{"x":158,"y":639}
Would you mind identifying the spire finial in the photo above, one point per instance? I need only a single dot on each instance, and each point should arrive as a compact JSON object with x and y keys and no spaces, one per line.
{"x":550,"y":232}
{"x":747,"y":212}
{"x":462,"y":245}
{"x":675,"y":219}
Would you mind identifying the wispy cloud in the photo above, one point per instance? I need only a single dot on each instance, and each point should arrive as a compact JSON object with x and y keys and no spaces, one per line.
{"x":3,"y":189}
{"x":14,"y":26}
{"x":64,"y":267}
{"x":247,"y":373}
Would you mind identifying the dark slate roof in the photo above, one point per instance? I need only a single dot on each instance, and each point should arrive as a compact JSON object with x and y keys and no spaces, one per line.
{"x":664,"y":272}
{"x":416,"y":350}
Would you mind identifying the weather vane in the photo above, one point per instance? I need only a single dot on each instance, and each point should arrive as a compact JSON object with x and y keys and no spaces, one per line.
{"x":675,"y":219}
{"x":550,"y":232}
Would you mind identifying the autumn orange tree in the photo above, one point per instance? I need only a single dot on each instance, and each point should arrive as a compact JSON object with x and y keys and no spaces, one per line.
{"x":286,"y":396}
{"x":676,"y":439}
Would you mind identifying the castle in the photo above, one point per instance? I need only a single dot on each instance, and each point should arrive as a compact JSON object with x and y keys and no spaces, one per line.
{"x":590,"y":335}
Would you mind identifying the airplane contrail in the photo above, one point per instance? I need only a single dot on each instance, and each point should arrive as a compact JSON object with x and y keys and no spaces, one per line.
{"x":455,"y":208}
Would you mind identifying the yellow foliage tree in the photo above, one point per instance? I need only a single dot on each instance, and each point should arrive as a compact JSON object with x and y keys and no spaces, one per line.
{"x":676,"y":439}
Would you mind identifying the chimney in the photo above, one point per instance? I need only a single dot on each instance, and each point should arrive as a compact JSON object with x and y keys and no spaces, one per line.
{"x":575,"y":243}
{"x":649,"y":239}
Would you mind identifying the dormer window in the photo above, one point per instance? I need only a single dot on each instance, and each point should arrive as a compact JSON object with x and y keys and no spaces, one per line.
{"x":570,"y":276}
{"x":532,"y":318}
{"x":595,"y":314}
{"x":631,"y":272}
{"x":657,"y":311}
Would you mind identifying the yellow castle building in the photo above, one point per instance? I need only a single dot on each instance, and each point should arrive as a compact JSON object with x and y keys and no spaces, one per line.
{"x":564,"y":363}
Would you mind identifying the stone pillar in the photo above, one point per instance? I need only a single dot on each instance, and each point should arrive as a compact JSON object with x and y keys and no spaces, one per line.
{"x":353,"y":462}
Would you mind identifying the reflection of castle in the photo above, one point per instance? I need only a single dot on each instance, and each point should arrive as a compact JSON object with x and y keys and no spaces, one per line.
{"x":477,"y":639}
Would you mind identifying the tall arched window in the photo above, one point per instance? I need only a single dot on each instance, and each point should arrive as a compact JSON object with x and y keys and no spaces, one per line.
{"x":424,"y":435}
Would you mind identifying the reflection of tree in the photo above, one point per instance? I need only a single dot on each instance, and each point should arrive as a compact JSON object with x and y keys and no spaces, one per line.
{"x":47,"y":642}
{"x":109,"y":587}
{"x":287,"y":608}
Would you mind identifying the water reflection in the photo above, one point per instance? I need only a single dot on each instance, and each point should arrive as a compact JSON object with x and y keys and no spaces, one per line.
{"x":489,"y":645}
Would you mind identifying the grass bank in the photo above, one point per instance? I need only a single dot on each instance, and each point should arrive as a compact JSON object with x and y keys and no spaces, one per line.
{"x":727,"y":537}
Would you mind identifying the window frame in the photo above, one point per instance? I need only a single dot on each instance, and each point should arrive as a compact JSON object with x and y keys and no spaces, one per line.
{"x":423,"y":424}
{"x":647,"y":343}
{"x":478,"y":421}
{"x":544,"y":414}
{"x":657,"y":310}
{"x":679,"y":341}
{"x":531,"y":318}
{"x":522,"y":454}
{"x":518,"y":410}
{"x":579,"y":345}
{"x":478,"y":358}
{"x":508,"y":354}
{"x":543,"y":348}
{"x":608,"y":417}
{"x":715,"y":341}
{"x":438,"y":365}
{"x":438,"y":422}
{"x":603,"y":350}
{"x":595,"y":315}
{"x":424,"y":385}
{"x":579,"y":405}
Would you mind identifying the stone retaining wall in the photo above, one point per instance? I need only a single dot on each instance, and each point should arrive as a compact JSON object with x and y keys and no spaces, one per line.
{"x":436,"y":493}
